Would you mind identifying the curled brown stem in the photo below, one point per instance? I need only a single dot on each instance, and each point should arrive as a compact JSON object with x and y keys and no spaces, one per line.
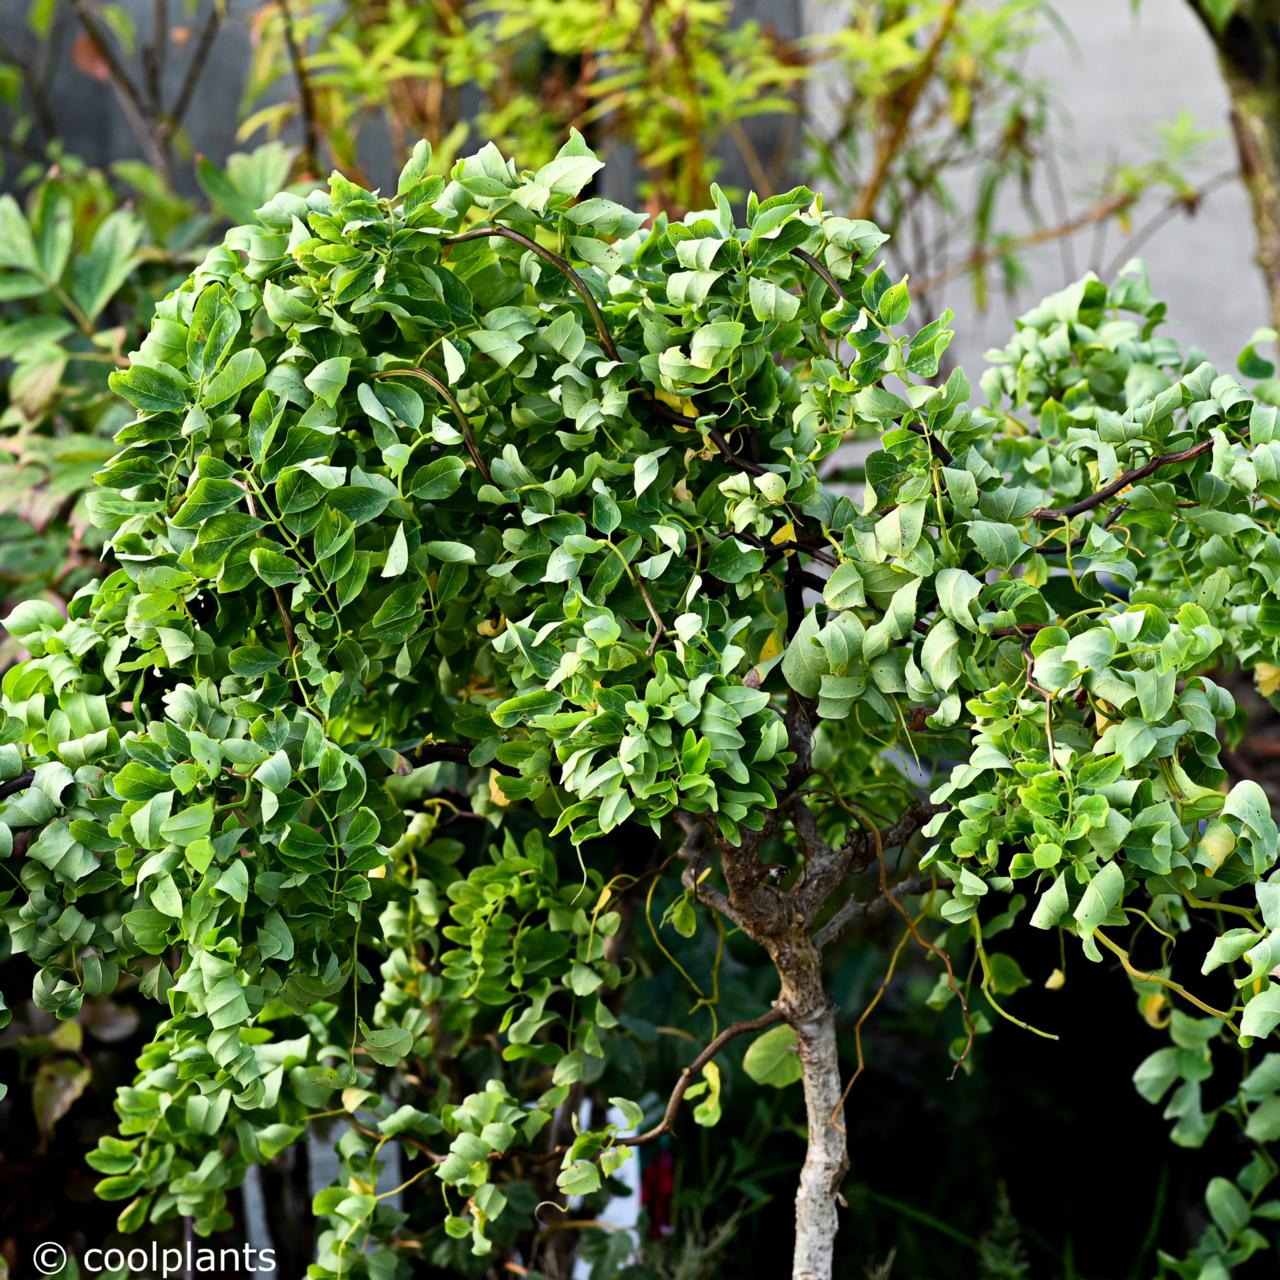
{"x":463,"y":424}
{"x":578,"y":283}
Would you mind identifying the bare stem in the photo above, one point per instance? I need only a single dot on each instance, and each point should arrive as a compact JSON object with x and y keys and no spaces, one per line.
{"x":1120,"y":483}
{"x":464,"y":425}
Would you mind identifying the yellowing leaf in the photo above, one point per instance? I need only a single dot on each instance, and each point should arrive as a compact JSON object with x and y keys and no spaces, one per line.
{"x":771,"y":647}
{"x":495,"y":789}
{"x":1216,"y":846}
{"x":1268,"y":678}
{"x":1155,"y":1010}
{"x":682,"y":403}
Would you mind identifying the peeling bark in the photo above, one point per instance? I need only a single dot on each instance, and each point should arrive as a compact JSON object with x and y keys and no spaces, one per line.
{"x":827,"y":1159}
{"x":812,"y":1015}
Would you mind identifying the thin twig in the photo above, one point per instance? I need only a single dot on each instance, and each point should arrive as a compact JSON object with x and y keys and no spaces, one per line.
{"x":195,"y":68}
{"x":578,"y":283}
{"x":660,"y":626}
{"x":135,"y":110}
{"x":982,"y":254}
{"x":933,"y":948}
{"x":153,"y":54}
{"x":306,"y":98}
{"x":465,"y":426}
{"x":667,"y":1123}
{"x":891,"y":145}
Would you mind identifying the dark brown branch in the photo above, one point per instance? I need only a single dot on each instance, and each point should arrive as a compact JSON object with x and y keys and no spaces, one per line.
{"x":1079,"y":544}
{"x":859,"y":910}
{"x":131,"y":103}
{"x":667,"y":1123}
{"x":772,"y":550}
{"x":306,"y":98}
{"x":857,"y":854}
{"x":153,"y":54}
{"x":14,"y":785}
{"x":195,"y":69}
{"x":464,"y":425}
{"x":709,"y":894}
{"x":793,"y":595}
{"x":1019,"y":629}
{"x":861,"y":848}
{"x":801,"y":716}
{"x":821,"y":272}
{"x":578,"y":283}
{"x":1120,"y":483}
{"x":718,"y":439}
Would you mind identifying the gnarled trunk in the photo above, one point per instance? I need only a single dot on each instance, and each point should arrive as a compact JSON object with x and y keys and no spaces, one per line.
{"x":812,"y":1016}
{"x":827,"y":1159}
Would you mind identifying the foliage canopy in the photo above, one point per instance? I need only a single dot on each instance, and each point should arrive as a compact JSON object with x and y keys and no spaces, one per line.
{"x":480,"y":503}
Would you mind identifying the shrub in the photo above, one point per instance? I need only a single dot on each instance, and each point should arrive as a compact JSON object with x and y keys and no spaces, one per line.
{"x":483,"y":507}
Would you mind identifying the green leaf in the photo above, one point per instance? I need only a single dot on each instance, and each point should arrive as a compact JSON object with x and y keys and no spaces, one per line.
{"x":388,"y":1045}
{"x":771,"y":1058}
{"x":574,"y":166}
{"x":940,"y":654}
{"x":713,"y":344}
{"x":1261,"y":1015}
{"x":397,"y":555}
{"x":1227,"y":1207}
{"x":207,"y":498}
{"x":707,"y":1112}
{"x":151,"y":388}
{"x":581,"y":1178}
{"x":241,"y":371}
{"x":328,"y":378}
{"x":732,"y":561}
{"x":97,"y":276}
{"x":844,"y":588}
{"x":1101,"y":897}
{"x":805,"y":661}
{"x":957,"y":590}
{"x":771,"y":302}
{"x":451,"y":552}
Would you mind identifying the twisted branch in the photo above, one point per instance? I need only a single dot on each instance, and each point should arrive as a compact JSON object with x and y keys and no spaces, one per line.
{"x":1121,"y":483}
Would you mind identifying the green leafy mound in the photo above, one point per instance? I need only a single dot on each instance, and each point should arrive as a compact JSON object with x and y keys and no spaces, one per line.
{"x":482,"y":502}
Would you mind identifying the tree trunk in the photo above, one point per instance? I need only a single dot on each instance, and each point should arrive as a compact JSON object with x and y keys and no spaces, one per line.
{"x":1249,"y":53}
{"x":812,"y":1015}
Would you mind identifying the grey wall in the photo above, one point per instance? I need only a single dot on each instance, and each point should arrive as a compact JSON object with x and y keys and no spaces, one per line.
{"x":1127,"y":75}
